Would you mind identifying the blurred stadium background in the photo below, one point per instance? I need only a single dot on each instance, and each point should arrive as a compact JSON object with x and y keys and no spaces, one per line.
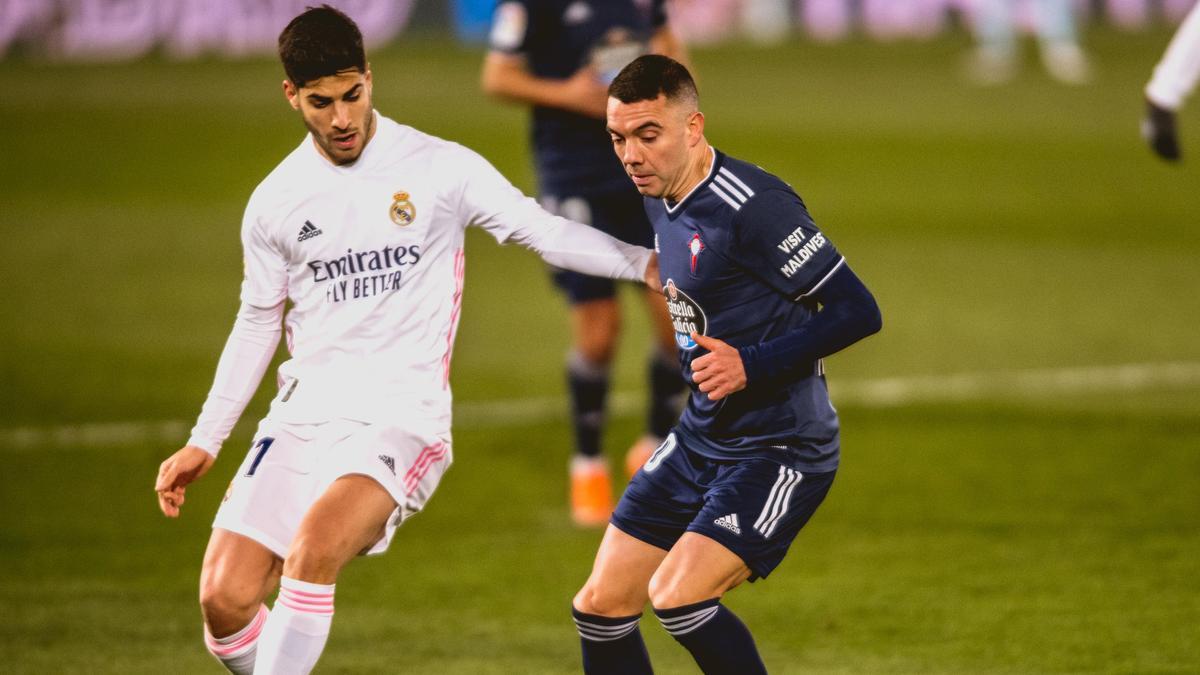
{"x":1020,"y":489}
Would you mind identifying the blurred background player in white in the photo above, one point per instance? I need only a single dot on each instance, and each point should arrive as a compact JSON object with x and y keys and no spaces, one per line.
{"x":1174,"y":79}
{"x":361,"y":228}
{"x":995,"y":58}
{"x":558,"y":56}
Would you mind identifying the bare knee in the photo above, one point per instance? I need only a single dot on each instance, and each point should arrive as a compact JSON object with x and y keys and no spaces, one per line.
{"x":227,"y":607}
{"x":313,"y":560}
{"x":596,"y":600}
{"x":668,"y":591}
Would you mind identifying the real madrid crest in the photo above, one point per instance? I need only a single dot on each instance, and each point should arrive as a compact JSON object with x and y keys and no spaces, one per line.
{"x":403,"y":212}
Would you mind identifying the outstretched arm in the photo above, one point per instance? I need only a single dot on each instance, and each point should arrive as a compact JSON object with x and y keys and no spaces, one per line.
{"x":488,"y":200}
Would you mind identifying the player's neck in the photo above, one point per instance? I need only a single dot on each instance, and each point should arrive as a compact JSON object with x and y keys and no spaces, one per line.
{"x":697,"y":170}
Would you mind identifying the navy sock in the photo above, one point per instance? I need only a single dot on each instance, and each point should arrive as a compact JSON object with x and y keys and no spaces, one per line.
{"x":717,"y":639}
{"x":588,"y":384}
{"x":612,"y":645}
{"x":666,"y":385}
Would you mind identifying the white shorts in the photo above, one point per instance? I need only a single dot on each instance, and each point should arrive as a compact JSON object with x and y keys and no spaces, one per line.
{"x":290,"y":466}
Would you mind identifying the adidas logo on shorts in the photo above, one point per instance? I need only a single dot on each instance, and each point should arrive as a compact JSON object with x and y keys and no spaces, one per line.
{"x":390,"y":462}
{"x":308,"y":231}
{"x":729,"y":522}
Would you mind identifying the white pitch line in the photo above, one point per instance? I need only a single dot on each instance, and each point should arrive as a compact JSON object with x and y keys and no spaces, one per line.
{"x":873,"y":393}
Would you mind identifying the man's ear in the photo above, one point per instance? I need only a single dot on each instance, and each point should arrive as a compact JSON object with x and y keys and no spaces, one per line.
{"x":292,"y":94}
{"x":695,"y":127}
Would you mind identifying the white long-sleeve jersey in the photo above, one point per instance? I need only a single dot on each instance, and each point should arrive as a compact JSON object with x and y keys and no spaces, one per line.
{"x":1176,"y":74}
{"x":371,"y":257}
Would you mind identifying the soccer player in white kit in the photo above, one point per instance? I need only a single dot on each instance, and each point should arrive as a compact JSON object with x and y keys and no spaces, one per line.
{"x":361,"y":227}
{"x":1174,"y":79}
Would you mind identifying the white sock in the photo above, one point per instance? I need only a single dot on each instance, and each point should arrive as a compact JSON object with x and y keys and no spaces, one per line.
{"x":296,"y":631}
{"x":237,"y":651}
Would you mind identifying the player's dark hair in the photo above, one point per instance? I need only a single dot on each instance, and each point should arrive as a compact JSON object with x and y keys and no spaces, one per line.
{"x":319,"y":42}
{"x":650,"y":75}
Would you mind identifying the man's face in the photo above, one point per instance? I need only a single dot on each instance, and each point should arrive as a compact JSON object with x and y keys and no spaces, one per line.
{"x":337,"y":111}
{"x":652,"y":139}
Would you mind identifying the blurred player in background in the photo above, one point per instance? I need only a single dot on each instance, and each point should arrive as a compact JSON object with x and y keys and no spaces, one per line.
{"x":1173,"y":80}
{"x":995,"y":58}
{"x":759,"y":296}
{"x":361,"y":228}
{"x":559,"y":56}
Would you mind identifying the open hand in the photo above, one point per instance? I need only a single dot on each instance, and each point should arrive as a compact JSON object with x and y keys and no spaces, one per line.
{"x":719,"y":372}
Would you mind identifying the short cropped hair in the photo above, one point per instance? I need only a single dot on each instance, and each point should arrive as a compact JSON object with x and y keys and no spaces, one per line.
{"x":319,"y":42}
{"x":650,"y":75}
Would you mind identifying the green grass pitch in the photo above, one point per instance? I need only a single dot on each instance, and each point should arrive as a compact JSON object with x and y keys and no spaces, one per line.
{"x":1002,"y":229}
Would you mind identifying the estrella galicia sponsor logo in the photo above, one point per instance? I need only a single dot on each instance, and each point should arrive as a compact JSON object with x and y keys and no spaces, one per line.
{"x":686,"y":316}
{"x":308,"y":231}
{"x":363,"y":274}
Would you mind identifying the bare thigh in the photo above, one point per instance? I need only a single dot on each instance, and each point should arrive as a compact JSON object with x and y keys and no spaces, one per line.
{"x":345,"y":521}
{"x":697,"y":569}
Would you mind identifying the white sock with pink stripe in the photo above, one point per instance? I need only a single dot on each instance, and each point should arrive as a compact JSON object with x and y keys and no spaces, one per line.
{"x":295,"y":633}
{"x":237,"y":651}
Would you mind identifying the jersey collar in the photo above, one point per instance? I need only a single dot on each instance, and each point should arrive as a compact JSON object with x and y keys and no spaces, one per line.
{"x":675,"y":210}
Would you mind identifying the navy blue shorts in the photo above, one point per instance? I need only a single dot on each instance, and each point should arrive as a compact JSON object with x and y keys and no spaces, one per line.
{"x":621,"y":214}
{"x":754,"y":507}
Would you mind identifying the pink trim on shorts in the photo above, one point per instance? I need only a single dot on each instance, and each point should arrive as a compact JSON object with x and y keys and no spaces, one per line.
{"x":421,"y":467}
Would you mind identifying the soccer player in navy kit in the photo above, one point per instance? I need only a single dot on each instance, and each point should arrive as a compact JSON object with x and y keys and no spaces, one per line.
{"x":758,"y":295}
{"x":559,"y":56}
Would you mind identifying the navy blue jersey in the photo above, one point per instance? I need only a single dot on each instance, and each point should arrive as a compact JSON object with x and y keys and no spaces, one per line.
{"x":573,"y":152}
{"x":738,"y":257}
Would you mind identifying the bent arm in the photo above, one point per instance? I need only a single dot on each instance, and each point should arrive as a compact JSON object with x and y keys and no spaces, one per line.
{"x":247,"y":354}
{"x":505,"y":76}
{"x":848,"y":314}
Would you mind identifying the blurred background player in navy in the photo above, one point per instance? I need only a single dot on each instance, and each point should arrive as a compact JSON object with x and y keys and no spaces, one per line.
{"x":559,"y":56}
{"x":759,"y":296}
{"x":1173,"y":80}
